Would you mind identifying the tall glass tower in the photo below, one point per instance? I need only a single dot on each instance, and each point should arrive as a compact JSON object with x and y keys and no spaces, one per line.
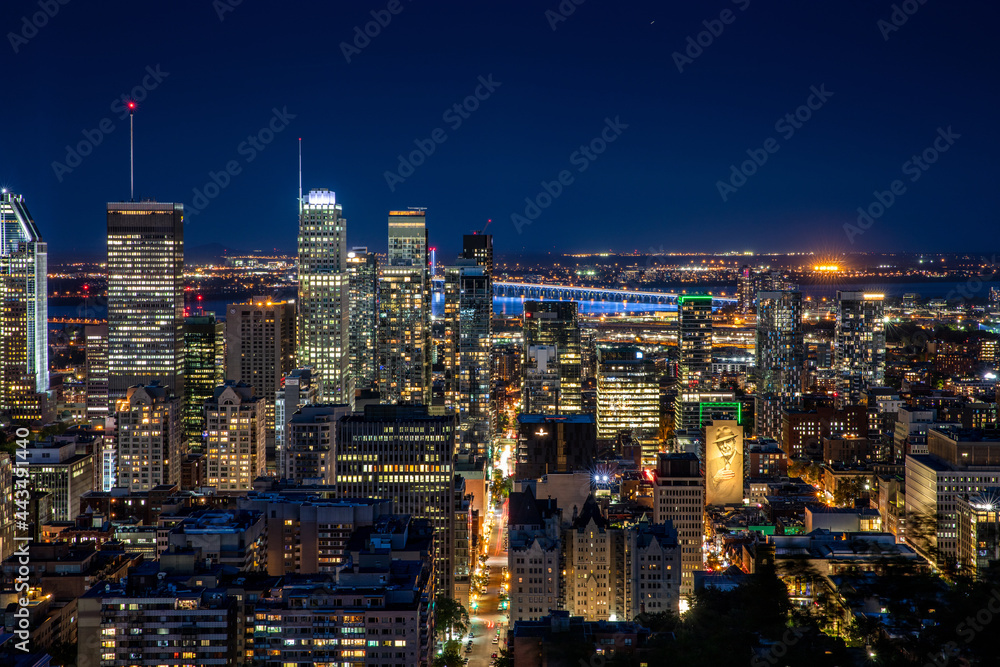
{"x":362,"y":268}
{"x":24,"y":349}
{"x":859,"y":344}
{"x":145,"y":296}
{"x":780,"y":359}
{"x":324,"y":300}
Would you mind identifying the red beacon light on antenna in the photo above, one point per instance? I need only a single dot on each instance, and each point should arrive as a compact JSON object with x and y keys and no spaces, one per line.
{"x":131,"y":106}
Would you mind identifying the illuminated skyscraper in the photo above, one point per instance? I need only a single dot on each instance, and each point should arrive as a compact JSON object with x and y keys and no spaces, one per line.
{"x":404,"y":351}
{"x":145,"y":296}
{"x":480,"y":248}
{"x":324,"y":299}
{"x":260,"y":350}
{"x":468,"y":316}
{"x":679,"y":497}
{"x":24,"y":348}
{"x":780,"y":362}
{"x":362,"y":269}
{"x":402,"y":453}
{"x":859,"y":344}
{"x":628,"y":394}
{"x":694,"y":340}
{"x":408,"y":238}
{"x":555,"y":324}
{"x":202,"y":373}
{"x":96,"y":336}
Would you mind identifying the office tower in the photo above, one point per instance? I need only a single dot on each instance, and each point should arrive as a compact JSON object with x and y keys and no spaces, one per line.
{"x":235,"y":422}
{"x":694,"y":339}
{"x":260,"y":350}
{"x":466,"y":354}
{"x":408,"y":238}
{"x":402,"y":453}
{"x":780,"y":359}
{"x":554,"y":443}
{"x":404,"y":354}
{"x":64,"y":469}
{"x":150,"y":437}
{"x":300,"y":387}
{"x":979,"y":530}
{"x":311,"y":454}
{"x":324,"y":295}
{"x":628,"y":394}
{"x":555,"y":323}
{"x":479,"y":247}
{"x":202,"y":374}
{"x":362,"y":271}
{"x":679,"y":497}
{"x":96,"y":341}
{"x":540,"y":390}
{"x":145,"y":296}
{"x":958,"y":462}
{"x":24,"y":348}
{"x":859,"y":344}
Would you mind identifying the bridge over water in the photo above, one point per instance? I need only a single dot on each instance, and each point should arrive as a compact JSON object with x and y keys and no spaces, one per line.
{"x":584,"y":293}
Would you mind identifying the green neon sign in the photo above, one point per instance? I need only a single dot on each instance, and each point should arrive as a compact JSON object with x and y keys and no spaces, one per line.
{"x":738,"y":406}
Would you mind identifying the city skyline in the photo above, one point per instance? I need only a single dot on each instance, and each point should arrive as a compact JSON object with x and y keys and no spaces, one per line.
{"x":676,"y":135}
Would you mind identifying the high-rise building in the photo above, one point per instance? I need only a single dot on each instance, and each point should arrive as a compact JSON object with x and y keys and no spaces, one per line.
{"x":145,"y":296}
{"x":628,"y":393}
{"x":404,"y":354}
{"x":150,"y":438}
{"x":554,"y":443}
{"x":859,"y":344}
{"x":479,"y":247}
{"x":679,"y":497}
{"x":694,"y":339}
{"x":408,"y":238}
{"x":540,"y":389}
{"x":300,"y":387}
{"x":24,"y":348}
{"x":959,"y":462}
{"x":362,"y":271}
{"x":780,"y":359}
{"x":63,"y":469}
{"x":96,"y":341}
{"x":554,"y":323}
{"x":260,"y":350}
{"x":234,"y":448}
{"x":311,"y":453}
{"x":202,"y":372}
{"x":535,"y":555}
{"x":402,"y":453}
{"x":979,"y":530}
{"x":324,"y":295}
{"x":466,"y":353}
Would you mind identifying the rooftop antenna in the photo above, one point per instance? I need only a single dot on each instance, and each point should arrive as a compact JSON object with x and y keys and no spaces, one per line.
{"x":300,"y":175}
{"x":131,"y":150}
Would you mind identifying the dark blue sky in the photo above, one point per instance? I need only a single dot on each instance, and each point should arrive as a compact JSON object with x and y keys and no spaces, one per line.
{"x":656,"y":185}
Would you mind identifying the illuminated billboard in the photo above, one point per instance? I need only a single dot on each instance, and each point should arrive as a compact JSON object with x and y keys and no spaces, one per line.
{"x":723,"y":463}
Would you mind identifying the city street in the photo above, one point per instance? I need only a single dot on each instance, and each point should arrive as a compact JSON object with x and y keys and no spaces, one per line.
{"x":487,"y":617}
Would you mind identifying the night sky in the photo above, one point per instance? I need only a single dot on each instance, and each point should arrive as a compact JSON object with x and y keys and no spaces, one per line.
{"x":669,"y":136}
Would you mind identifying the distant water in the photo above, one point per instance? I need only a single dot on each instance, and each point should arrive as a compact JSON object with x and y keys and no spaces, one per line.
{"x":513,"y":306}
